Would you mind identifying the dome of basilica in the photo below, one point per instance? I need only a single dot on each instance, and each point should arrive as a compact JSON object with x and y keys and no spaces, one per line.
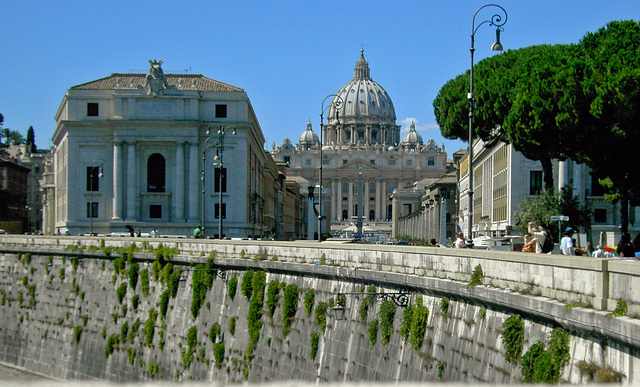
{"x":363,"y":98}
{"x":309,"y":137}
{"x":412,"y":137}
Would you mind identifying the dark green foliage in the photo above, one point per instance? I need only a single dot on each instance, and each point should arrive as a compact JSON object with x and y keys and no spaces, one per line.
{"x":77,"y":332}
{"x":373,"y":332}
{"x":366,"y":303}
{"x":386,"y":317}
{"x":164,"y":304}
{"x":440,"y":370}
{"x":620,"y":310}
{"x":321,"y":315}
{"x":444,"y":306}
{"x":289,"y":308}
{"x":476,"y":277}
{"x":61,"y":274}
{"x":131,"y":352}
{"x":214,"y":332}
{"x":245,"y":287}
{"x":192,"y":340}
{"x":232,"y":324}
{"x":112,"y":343}
{"x":161,"y":340}
{"x":202,"y":283}
{"x":119,"y":265}
{"x":273,"y":293}
{"x":144,"y":285}
{"x":133,"y":275}
{"x":309,"y":300}
{"x":150,"y":327}
{"x":133,"y":332}
{"x":315,"y":340}
{"x":405,"y":325}
{"x":513,"y":338}
{"x":74,"y":264}
{"x":153,"y":370}
{"x":135,"y":301}
{"x":419,"y":319}
{"x":124,"y":331}
{"x":121,"y":292}
{"x":218,"y":354}
{"x":254,"y":317}
{"x":232,"y":287}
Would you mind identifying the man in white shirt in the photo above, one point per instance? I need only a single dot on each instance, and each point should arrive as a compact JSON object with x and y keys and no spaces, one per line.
{"x":539,"y":235}
{"x":566,"y":245}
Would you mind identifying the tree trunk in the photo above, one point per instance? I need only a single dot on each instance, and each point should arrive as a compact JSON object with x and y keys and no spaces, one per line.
{"x":547,"y":173}
{"x":624,"y":213}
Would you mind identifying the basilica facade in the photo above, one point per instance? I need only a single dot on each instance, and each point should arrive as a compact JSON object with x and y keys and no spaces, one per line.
{"x":364,"y":158}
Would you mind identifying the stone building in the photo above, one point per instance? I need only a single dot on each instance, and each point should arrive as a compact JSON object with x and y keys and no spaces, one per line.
{"x":149,"y":151}
{"x":34,"y":160}
{"x":361,"y":140}
{"x":13,"y":194}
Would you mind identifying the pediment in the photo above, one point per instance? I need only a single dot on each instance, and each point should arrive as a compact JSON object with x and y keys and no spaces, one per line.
{"x":358,"y":163}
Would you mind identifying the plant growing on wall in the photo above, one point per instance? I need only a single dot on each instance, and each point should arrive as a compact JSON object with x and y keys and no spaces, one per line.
{"x":135,"y":301}
{"x":386,"y":316}
{"x":245,"y":286}
{"x":273,"y":293}
{"x":419,"y":319}
{"x":315,"y":341}
{"x":254,"y":317}
{"x":540,"y":365}
{"x":289,"y":308}
{"x":321,"y":315}
{"x":187,"y":355}
{"x":202,"y":282}
{"x":149,"y":327}
{"x":121,"y":292}
{"x":144,"y":282}
{"x":214,"y":332}
{"x":77,"y":332}
{"x":373,"y":332}
{"x":218,"y":354}
{"x":444,"y":306}
{"x":309,"y":300}
{"x":232,"y":287}
{"x":133,"y":275}
{"x":440,"y":370}
{"x":133,"y":332}
{"x":620,"y":310}
{"x":232,"y":324}
{"x":163,"y":305}
{"x":367,"y":301}
{"x":476,"y":277}
{"x":513,"y":338}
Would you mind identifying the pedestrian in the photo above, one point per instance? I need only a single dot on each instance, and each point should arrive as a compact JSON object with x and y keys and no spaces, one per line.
{"x":636,"y":243}
{"x":434,"y":243}
{"x":139,"y":233}
{"x":566,"y":245}
{"x":625,"y":247}
{"x":460,"y":243}
{"x":197,"y":232}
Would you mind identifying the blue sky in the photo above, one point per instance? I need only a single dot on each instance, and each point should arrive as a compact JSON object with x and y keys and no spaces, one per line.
{"x":287,"y":55}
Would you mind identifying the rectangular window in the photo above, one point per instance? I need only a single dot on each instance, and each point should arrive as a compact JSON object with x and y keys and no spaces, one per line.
{"x":92,"y":210}
{"x":307,"y":162}
{"x":155,"y":211}
{"x":93,"y":109}
{"x":224,"y":211}
{"x":93,"y":180}
{"x":535,"y":182}
{"x":372,"y":162}
{"x":600,"y":215}
{"x":218,"y":181}
{"x":392,"y":162}
{"x":409,"y":163}
{"x":344,"y":162}
{"x":287,"y":159}
{"x":360,"y":135}
{"x":221,"y":111}
{"x":431,"y":161}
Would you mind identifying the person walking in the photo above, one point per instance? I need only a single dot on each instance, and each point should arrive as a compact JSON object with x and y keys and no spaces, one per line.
{"x":566,"y":245}
{"x":460,"y":243}
{"x":197,"y":232}
{"x":625,"y":247}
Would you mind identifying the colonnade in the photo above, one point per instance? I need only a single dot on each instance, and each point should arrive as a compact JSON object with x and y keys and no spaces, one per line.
{"x":338,"y":134}
{"x":372,"y":187}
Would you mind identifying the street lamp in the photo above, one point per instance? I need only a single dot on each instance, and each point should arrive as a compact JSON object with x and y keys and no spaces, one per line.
{"x":100,"y":166}
{"x":496,"y":20}
{"x":219,"y":145}
{"x":337,"y":105}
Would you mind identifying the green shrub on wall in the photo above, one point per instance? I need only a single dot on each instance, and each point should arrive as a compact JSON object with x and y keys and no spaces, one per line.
{"x":149,"y":327}
{"x":476,"y":277}
{"x":133,"y":332}
{"x":144,"y":282}
{"x":540,"y":365}
{"x":214,"y":332}
{"x":405,"y":324}
{"x":121,"y":292}
{"x":273,"y":293}
{"x":124,"y":331}
{"x":373,"y":332}
{"x":386,"y":316}
{"x":245,"y":286}
{"x":218,"y":354}
{"x":112,"y":343}
{"x":77,"y":332}
{"x":163,"y":305}
{"x":620,"y":310}
{"x":444,"y":306}
{"x":419,"y":319}
{"x":254,"y":317}
{"x":135,"y":301}
{"x":321,"y":315}
{"x":202,"y":283}
{"x":289,"y":308}
{"x":367,"y":301}
{"x":513,"y":338}
{"x":315,"y":341}
{"x":232,"y":287}
{"x":133,"y":275}
{"x":232,"y":325}
{"x":309,"y":300}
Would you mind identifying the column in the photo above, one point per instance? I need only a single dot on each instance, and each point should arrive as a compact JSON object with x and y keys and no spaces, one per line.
{"x":194,"y":175}
{"x":132,"y":188}
{"x":336,"y":195}
{"x":563,"y":174}
{"x":378,"y":198}
{"x":178,"y":198}
{"x":350,"y":201}
{"x":365,"y":200}
{"x":117,"y":181}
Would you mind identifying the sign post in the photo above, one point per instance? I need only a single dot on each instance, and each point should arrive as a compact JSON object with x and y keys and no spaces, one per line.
{"x":560,"y":219}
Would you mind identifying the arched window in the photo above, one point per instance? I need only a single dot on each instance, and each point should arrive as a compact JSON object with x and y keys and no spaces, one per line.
{"x":345,"y":214}
{"x":372,"y":215}
{"x":155,"y":173}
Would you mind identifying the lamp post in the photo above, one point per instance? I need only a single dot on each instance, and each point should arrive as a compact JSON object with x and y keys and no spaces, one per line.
{"x":219,"y":145}
{"x":100,"y":167}
{"x":496,"y":20}
{"x":337,"y":105}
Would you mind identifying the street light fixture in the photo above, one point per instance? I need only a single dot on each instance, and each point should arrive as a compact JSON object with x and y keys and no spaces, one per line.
{"x":100,"y":165}
{"x":336,"y":102}
{"x":497,"y":21}
{"x":218,"y":161}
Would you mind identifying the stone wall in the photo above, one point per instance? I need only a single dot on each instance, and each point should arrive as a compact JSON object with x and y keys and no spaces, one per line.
{"x":76,"y":312}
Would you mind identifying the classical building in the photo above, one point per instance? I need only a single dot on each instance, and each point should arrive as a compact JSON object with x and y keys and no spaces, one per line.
{"x":361,"y":143}
{"x":157,"y":151}
{"x":503,"y":177}
{"x":13,"y":194}
{"x":34,"y":160}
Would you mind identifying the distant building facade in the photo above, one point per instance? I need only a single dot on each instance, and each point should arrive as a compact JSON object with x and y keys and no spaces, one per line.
{"x":143,"y":150}
{"x":361,"y":140}
{"x":25,"y":156}
{"x":13,"y":194}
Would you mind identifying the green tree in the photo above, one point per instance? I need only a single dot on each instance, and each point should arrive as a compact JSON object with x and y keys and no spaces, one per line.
{"x":549,"y":203}
{"x":612,"y":87}
{"x":31,"y":139}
